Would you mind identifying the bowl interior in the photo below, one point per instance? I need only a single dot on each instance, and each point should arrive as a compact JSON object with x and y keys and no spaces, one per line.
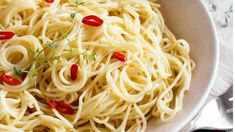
{"x":189,"y":19}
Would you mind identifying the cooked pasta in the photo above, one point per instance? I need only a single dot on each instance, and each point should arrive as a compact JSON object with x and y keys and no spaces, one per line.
{"x":88,"y":65}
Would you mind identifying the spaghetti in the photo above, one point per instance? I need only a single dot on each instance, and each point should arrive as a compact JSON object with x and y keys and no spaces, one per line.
{"x":95,"y":65}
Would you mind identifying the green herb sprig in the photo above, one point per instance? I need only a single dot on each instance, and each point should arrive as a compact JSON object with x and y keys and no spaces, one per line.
{"x":76,"y":3}
{"x":93,"y":56}
{"x":72,"y":15}
{"x":228,"y":15}
{"x":89,"y":55}
{"x":48,"y":62}
{"x":52,"y":45}
{"x":17,"y":70}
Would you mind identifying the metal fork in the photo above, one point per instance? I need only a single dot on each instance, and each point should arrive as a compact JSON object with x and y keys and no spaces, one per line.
{"x":215,"y":115}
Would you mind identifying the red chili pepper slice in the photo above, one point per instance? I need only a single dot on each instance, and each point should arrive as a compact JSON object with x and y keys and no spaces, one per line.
{"x":74,"y":71}
{"x":62,"y":107}
{"x":6,"y":35}
{"x":119,"y":56}
{"x":92,"y":20}
{"x":49,"y":1}
{"x":9,"y":80}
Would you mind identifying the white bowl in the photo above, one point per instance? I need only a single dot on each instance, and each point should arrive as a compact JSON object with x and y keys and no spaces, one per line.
{"x":190,"y":20}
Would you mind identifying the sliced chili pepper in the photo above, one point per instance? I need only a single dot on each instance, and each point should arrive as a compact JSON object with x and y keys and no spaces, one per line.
{"x":92,"y":20}
{"x":119,"y":56}
{"x":6,"y":35}
{"x":49,"y":1}
{"x":62,"y":107}
{"x":74,"y":71}
{"x":9,"y":80}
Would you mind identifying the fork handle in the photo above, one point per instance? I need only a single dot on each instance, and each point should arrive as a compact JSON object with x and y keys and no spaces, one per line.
{"x":207,"y":130}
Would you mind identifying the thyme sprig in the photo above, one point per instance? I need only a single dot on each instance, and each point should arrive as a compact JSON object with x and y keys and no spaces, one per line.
{"x":64,"y":35}
{"x":52,"y":45}
{"x":17,"y":70}
{"x":76,"y":3}
{"x":47,"y":62}
{"x":228,"y":15}
{"x":88,"y":54}
{"x":93,"y":56}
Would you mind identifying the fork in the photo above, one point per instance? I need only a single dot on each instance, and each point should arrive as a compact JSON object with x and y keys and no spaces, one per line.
{"x":217,"y":114}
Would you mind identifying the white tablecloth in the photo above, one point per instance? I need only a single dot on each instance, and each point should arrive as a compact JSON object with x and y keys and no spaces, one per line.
{"x":221,"y":10}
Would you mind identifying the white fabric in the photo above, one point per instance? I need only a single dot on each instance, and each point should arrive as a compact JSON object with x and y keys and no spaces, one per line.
{"x":225,"y":74}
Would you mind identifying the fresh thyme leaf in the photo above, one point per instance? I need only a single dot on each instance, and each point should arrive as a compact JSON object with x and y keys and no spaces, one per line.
{"x":93,"y":56}
{"x":49,"y":61}
{"x":37,"y":53}
{"x":17,"y":70}
{"x":72,"y":15}
{"x":76,"y":3}
{"x":226,"y":22}
{"x":33,"y":72}
{"x":87,"y":48}
{"x":231,"y":9}
{"x":37,"y":50}
{"x":52,"y":45}
{"x":213,"y":7}
{"x":228,"y":14}
{"x":87,"y":54}
{"x":84,"y":54}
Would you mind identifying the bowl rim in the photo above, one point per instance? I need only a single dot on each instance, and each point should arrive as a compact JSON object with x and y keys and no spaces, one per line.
{"x":204,"y":96}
